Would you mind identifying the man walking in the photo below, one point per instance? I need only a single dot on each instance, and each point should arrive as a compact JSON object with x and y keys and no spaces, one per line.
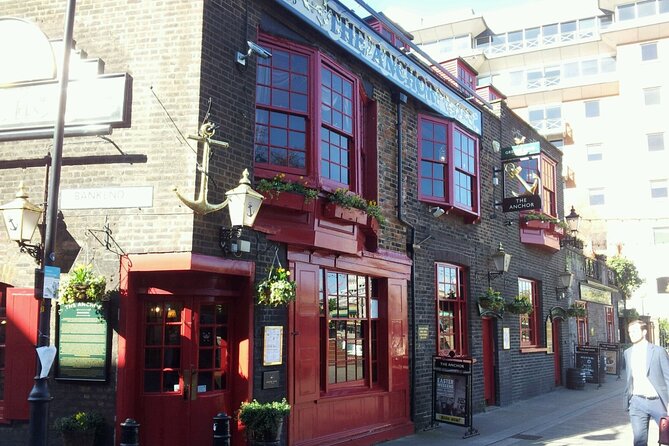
{"x":647,"y":390}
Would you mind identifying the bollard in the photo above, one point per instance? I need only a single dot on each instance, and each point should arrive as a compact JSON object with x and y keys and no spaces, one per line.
{"x":221,"y":429}
{"x":129,"y":433}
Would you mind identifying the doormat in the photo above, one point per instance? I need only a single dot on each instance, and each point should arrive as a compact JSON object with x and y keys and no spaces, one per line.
{"x":526,"y":437}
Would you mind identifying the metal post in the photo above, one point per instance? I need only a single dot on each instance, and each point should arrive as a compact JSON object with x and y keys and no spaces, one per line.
{"x":221,"y":429}
{"x":129,"y":433}
{"x":39,"y":396}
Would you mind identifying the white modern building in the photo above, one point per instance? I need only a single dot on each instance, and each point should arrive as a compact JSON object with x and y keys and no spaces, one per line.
{"x":592,"y":78}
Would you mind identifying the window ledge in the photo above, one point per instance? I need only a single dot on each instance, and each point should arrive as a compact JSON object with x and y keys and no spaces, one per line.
{"x":533,"y":350}
{"x":352,"y":392}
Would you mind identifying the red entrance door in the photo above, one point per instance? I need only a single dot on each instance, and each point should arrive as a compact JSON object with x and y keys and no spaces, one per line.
{"x":556,"y":352}
{"x":184,"y":368}
{"x":488,"y":335}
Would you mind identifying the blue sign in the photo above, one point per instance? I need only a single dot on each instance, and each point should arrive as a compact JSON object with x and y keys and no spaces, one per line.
{"x":51,"y":282}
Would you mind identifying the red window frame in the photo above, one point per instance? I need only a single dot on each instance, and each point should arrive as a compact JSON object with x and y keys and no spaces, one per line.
{"x":451,"y":303}
{"x":448,"y":173}
{"x":530,"y":323}
{"x":610,"y":327}
{"x":582,"y":336}
{"x":352,"y":294}
{"x":320,"y":128}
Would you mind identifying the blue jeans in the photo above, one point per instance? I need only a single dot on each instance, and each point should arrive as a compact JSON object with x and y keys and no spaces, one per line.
{"x":641,"y":411}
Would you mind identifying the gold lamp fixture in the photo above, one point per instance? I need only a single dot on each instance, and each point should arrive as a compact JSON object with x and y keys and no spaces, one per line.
{"x":21,"y":217}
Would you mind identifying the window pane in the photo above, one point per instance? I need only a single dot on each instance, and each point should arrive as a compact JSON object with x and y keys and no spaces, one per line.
{"x":626,"y":12}
{"x":645,"y":9}
{"x":658,"y":188}
{"x":655,"y":141}
{"x":591,"y":109}
{"x":596,"y":196}
{"x":651,"y":96}
{"x":649,"y":51}
{"x":661,"y":236}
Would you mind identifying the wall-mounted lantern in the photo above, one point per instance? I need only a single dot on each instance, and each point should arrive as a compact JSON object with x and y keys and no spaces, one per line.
{"x":21,"y":217}
{"x":501,"y":261}
{"x":565,"y":279}
{"x":573,"y":221}
{"x":243,"y":205}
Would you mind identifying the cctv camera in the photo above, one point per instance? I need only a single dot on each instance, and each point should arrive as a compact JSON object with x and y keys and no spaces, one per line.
{"x":260,"y":51}
{"x":437,"y":211}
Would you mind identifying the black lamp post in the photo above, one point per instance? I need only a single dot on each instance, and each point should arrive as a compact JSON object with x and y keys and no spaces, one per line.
{"x":573,"y":221}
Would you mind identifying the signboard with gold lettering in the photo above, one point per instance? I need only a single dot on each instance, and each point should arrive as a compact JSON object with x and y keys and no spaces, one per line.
{"x":453,"y":391}
{"x":83,"y":340}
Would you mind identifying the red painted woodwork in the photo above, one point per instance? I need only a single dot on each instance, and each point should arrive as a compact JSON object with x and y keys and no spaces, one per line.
{"x":20,"y":354}
{"x":289,"y":200}
{"x":184,"y":275}
{"x":338,"y":212}
{"x":488,"y":339}
{"x":556,"y":352}
{"x":362,"y":415}
{"x":541,"y":238}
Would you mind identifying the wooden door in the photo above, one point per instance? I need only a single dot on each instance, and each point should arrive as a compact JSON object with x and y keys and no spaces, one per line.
{"x":489,"y":351}
{"x":556,"y":352}
{"x":184,"y":369}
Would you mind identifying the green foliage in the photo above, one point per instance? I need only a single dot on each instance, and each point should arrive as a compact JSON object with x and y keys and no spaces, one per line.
{"x":279,"y":184}
{"x":627,"y":276}
{"x":261,"y":419}
{"x":277,"y":289}
{"x":492,"y":300}
{"x":576,"y":311}
{"x":82,"y":285}
{"x":533,"y":215}
{"x":630,"y":314}
{"x":80,"y":421}
{"x":348,"y":199}
{"x":521,"y":304}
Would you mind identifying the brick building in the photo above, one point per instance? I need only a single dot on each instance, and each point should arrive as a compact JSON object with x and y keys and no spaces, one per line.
{"x":374,"y":302}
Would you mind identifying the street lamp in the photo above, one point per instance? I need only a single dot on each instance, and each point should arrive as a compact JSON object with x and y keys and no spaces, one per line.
{"x":565,"y":279}
{"x":573,"y":221}
{"x":21,"y":217}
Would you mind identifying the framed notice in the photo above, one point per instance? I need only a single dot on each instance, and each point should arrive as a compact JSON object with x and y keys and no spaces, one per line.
{"x":83,"y":343}
{"x":611,"y":356}
{"x":506,"y":338}
{"x":272,"y":353}
{"x":587,"y":359}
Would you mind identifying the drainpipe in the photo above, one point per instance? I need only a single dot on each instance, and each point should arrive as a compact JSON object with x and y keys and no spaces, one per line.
{"x":400,"y":98}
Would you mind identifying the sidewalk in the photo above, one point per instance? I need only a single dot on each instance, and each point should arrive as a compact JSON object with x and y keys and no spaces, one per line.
{"x":593,"y":414}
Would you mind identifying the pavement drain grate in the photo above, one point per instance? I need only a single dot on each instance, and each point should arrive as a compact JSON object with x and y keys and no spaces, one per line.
{"x":526,"y":437}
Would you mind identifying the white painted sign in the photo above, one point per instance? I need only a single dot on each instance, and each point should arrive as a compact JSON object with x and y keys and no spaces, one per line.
{"x":107,"y":198}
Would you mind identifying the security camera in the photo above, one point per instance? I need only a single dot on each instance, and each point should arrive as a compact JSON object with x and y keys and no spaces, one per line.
{"x":254,"y":48}
{"x":260,"y":51}
{"x":437,"y":212}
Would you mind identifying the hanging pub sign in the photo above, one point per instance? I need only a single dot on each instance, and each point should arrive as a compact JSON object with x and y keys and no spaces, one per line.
{"x":452,"y":399}
{"x":587,"y":359}
{"x":522,"y":180}
{"x":83,"y":343}
{"x":611,"y":355}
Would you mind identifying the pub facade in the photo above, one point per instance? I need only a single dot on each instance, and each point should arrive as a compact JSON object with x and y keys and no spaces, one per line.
{"x":383,"y":185}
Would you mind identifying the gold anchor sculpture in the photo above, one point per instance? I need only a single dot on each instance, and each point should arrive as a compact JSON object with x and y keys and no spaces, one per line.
{"x":513,"y":171}
{"x":201,"y":205}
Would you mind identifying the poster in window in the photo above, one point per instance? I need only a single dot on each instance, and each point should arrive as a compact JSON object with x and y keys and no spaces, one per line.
{"x":611,"y":353}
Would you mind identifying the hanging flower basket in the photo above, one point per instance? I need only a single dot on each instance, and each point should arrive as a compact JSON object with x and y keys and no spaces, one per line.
{"x":520,"y":305}
{"x":576,"y":311}
{"x":492,"y":301}
{"x":277,"y":289}
{"x":83,"y":285}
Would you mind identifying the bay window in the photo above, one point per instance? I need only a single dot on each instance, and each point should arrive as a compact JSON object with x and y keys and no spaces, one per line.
{"x":308,"y":112}
{"x":449,"y":166}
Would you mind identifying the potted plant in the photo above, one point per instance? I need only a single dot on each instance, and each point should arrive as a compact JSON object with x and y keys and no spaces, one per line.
{"x":492,"y":301}
{"x":80,"y":428}
{"x":263,"y":421}
{"x":277,"y":289}
{"x":521,"y":304}
{"x":576,"y":311}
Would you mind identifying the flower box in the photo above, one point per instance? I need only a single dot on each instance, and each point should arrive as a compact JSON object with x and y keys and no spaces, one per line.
{"x":538,"y":224}
{"x":289,"y":200}
{"x":337,"y":212}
